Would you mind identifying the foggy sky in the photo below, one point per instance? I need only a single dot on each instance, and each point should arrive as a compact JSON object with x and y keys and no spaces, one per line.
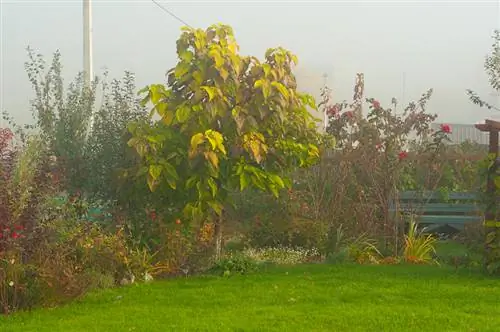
{"x":437,"y":44}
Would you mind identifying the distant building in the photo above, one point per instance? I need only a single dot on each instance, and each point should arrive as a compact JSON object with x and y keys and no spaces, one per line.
{"x":461,"y":133}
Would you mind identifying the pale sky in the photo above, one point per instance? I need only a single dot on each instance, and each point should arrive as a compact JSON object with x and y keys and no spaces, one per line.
{"x":437,"y":44}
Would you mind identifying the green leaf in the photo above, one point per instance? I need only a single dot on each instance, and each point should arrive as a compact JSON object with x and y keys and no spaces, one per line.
{"x":155,"y":171}
{"x":198,"y":77}
{"x":281,"y":88}
{"x":244,"y":181}
{"x":170,"y":170}
{"x":277,"y":180}
{"x":186,"y":56}
{"x":216,"y":206}
{"x":213,"y":186}
{"x":267,"y":69}
{"x":191,"y":182}
{"x":266,"y":91}
{"x":143,"y":90}
{"x":160,"y":108}
{"x":155,"y":138}
{"x":172,"y":183}
{"x":181,"y":69}
{"x":156,"y":93}
{"x":151,"y":183}
{"x":274,"y":190}
{"x":182,"y":114}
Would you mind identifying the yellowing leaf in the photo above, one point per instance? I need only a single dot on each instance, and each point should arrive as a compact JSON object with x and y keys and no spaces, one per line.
{"x":196,"y":140}
{"x":217,"y":57}
{"x":211,"y":91}
{"x":168,"y":118}
{"x":156,"y":93}
{"x":216,"y":140}
{"x":212,"y":158}
{"x":223,"y":73}
{"x":155,"y":171}
{"x":151,"y":183}
{"x":258,"y":84}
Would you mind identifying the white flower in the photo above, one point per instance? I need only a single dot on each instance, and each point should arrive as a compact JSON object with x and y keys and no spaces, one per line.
{"x":11,"y":283}
{"x":148,"y":277}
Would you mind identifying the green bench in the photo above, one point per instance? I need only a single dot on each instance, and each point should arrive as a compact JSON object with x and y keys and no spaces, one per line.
{"x":434,"y":210}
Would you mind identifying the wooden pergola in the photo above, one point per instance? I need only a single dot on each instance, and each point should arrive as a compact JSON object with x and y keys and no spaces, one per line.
{"x":492,"y":211}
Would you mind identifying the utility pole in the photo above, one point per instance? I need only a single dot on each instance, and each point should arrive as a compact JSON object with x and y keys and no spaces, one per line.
{"x":87,"y":42}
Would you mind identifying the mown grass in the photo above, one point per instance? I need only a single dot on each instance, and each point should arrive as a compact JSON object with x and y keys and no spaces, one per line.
{"x":303,"y":298}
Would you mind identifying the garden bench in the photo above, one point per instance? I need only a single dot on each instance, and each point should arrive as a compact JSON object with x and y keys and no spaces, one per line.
{"x":434,"y":210}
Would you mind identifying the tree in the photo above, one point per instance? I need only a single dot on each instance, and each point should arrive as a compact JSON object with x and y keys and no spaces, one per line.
{"x":226,"y":122}
{"x":492,"y":67}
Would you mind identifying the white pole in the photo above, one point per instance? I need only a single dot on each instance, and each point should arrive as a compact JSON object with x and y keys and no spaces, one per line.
{"x":87,"y":41}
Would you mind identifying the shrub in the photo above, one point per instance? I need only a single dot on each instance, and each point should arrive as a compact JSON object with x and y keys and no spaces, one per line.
{"x":294,"y":232}
{"x":235,"y":264}
{"x":19,"y":286}
{"x":362,"y":250}
{"x":419,"y":248}
{"x":283,"y":255}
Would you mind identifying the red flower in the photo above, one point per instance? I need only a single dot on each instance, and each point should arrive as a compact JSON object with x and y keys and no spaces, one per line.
{"x":15,"y":235}
{"x":153,"y":215}
{"x":402,"y":155}
{"x":19,"y":227}
{"x":446,"y":128}
{"x":376,"y":104}
{"x":332,"y":110}
{"x":178,"y":221}
{"x":348,"y":114}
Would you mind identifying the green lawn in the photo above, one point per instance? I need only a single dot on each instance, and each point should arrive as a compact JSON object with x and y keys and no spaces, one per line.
{"x":305,"y":298}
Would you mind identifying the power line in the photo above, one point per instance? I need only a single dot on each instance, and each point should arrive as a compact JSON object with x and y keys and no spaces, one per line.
{"x":171,"y":14}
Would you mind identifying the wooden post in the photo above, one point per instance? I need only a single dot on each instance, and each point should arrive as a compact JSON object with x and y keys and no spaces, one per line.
{"x":492,"y":224}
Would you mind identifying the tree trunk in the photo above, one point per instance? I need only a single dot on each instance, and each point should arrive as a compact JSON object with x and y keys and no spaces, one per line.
{"x":218,"y":237}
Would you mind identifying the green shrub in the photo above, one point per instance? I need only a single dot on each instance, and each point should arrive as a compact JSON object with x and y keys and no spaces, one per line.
{"x":294,"y":233}
{"x":19,"y":284}
{"x":283,"y":255}
{"x":235,"y":264}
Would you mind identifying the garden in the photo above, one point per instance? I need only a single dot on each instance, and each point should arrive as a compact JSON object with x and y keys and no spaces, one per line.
{"x":125,"y":209}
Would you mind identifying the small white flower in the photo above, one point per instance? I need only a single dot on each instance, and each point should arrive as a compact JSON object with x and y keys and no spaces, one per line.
{"x":11,"y":283}
{"x":12,"y":261}
{"x":148,"y":277}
